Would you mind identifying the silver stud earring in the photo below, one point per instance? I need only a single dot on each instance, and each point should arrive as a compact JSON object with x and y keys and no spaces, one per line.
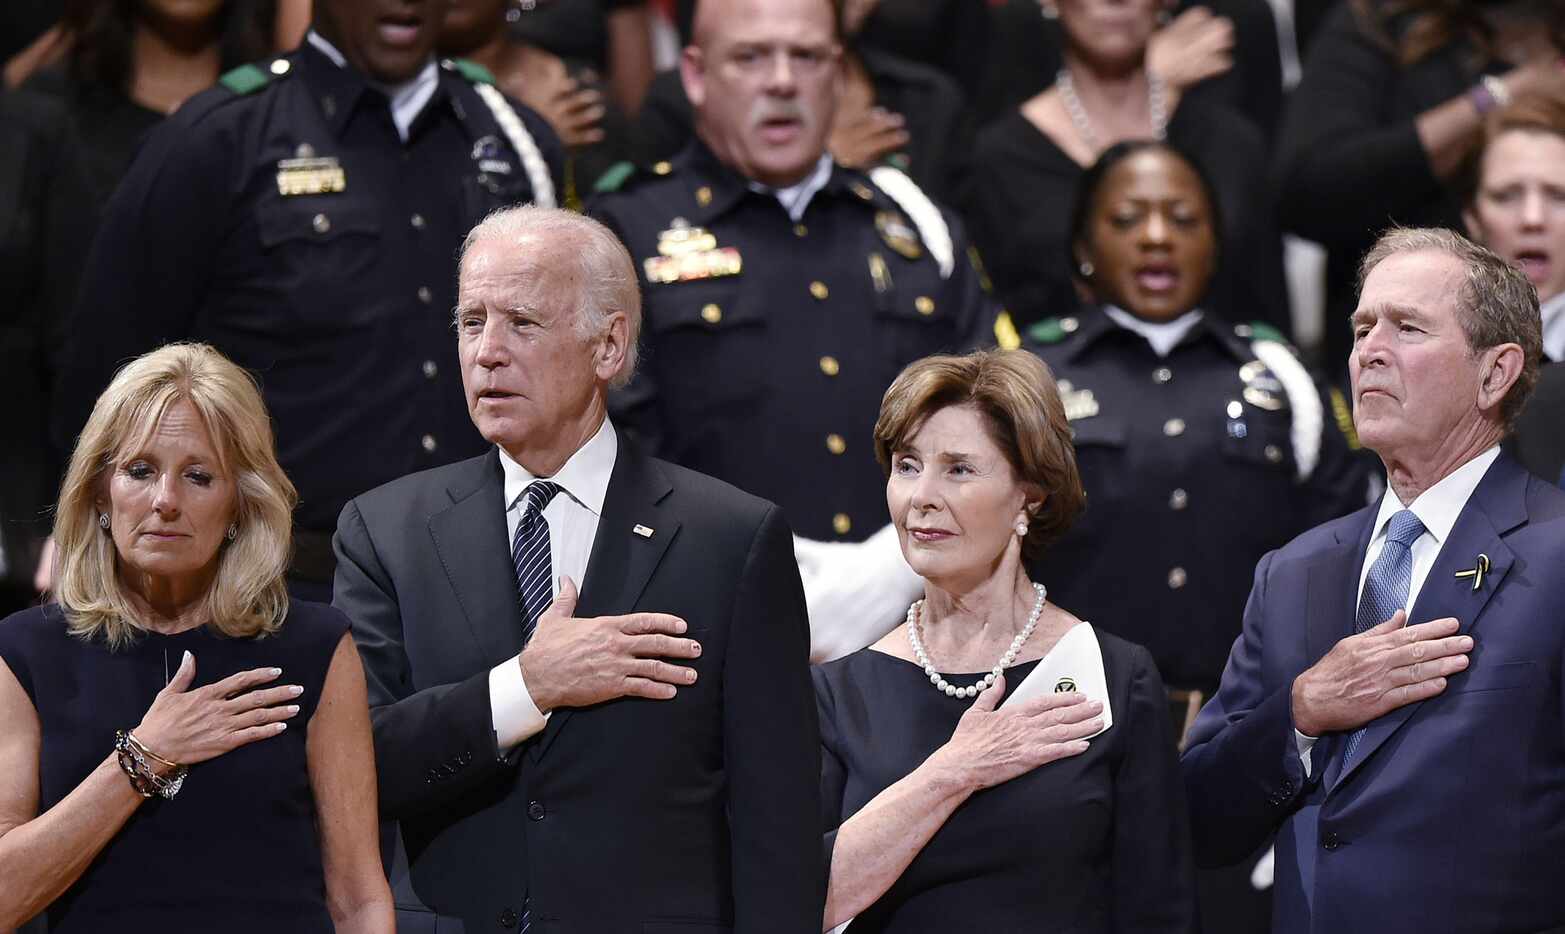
{"x":1087,"y":269}
{"x":233,"y":531}
{"x":1021,"y":529}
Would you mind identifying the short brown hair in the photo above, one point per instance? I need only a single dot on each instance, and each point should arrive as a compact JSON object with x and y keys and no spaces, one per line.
{"x":248,"y":596}
{"x":1014,"y":392}
{"x":1496,"y":305}
{"x":1530,"y":112}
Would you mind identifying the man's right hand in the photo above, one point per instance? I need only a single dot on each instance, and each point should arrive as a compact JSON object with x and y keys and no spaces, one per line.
{"x":572,"y":662}
{"x":1373,"y":673}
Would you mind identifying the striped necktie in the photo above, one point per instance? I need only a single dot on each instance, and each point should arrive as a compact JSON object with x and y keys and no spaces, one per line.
{"x":1386,"y":587}
{"x":530,"y":555}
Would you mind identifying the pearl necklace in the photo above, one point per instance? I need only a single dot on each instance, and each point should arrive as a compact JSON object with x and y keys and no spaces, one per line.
{"x":915,"y":640}
{"x":1157,"y":108}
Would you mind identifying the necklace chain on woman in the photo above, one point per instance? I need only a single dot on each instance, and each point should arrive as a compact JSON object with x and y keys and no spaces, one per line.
{"x":1157,"y":108}
{"x":915,"y":638}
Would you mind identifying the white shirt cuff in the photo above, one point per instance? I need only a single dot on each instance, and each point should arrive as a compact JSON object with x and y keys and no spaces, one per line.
{"x":1302,"y":742}
{"x":511,"y":707}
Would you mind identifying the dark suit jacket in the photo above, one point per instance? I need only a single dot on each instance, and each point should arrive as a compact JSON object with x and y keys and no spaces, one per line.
{"x":696,"y":815}
{"x":1451,"y":817}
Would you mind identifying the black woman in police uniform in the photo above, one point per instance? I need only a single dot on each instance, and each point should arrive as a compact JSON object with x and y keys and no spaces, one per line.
{"x":1202,"y":444}
{"x":304,"y":218}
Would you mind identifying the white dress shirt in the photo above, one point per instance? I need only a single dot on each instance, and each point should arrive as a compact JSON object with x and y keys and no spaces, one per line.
{"x":1554,"y":327}
{"x":1164,"y":336}
{"x":573,"y":517}
{"x":796,"y":197}
{"x":407,"y":98}
{"x":1437,"y":508}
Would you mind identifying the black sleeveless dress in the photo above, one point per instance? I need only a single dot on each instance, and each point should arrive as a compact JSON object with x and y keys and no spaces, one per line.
{"x":237,"y":850}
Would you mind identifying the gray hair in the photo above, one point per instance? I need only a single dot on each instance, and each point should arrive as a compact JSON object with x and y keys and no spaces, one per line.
{"x":604,"y":269}
{"x":1496,"y":304}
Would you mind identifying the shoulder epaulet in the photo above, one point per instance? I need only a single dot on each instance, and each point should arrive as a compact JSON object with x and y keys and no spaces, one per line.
{"x":1047,"y":331}
{"x":472,"y":71}
{"x":932,"y":227}
{"x":246,"y":79}
{"x":1260,"y":331}
{"x":614,"y":177}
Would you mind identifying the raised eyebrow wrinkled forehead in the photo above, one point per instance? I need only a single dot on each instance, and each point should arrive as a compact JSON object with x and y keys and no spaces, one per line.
{"x":1385,"y":310}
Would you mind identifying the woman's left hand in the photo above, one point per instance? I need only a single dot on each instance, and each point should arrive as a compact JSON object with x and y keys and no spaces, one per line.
{"x":1196,"y":46}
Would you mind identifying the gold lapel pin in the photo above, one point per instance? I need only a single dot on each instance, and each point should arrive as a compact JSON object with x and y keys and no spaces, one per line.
{"x":1477,"y":571}
{"x":643,"y":531}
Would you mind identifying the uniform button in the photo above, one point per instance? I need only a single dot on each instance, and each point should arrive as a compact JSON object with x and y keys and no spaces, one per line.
{"x":1176,"y":578}
{"x":711,"y":314}
{"x":1273,"y":453}
{"x":1287,"y":787}
{"x":535,"y":810}
{"x":1174,"y":427}
{"x":1069,"y":325}
{"x":321,"y":223}
{"x":1178,"y":499}
{"x":1330,"y":840}
{"x":508,"y":918}
{"x":280,"y":66}
{"x":703,"y":196}
{"x":430,"y":369}
{"x":428,"y":443}
{"x":1244,"y":330}
{"x":662,"y":168}
{"x":841,"y":524}
{"x":424,"y":295}
{"x":800,"y":230}
{"x":830,"y":366}
{"x":417,"y":221}
{"x":924,"y":304}
{"x":1162,"y":375}
{"x":835,"y":444}
{"x":1235,"y":410}
{"x":819,"y":290}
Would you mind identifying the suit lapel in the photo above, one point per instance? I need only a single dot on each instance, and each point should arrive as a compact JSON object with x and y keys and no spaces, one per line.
{"x":622,"y":559}
{"x":470,"y":540}
{"x":1497,"y":506}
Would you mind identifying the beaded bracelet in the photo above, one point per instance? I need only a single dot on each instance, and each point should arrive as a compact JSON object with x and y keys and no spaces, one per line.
{"x":133,"y":756}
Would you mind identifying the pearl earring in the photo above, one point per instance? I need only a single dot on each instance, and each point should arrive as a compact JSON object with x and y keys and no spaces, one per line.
{"x":1087,"y":269}
{"x":103,"y":521}
{"x":1021,"y":529}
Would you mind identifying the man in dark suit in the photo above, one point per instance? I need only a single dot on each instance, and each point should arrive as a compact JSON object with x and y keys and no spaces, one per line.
{"x":553,"y":768}
{"x":1393,"y":705}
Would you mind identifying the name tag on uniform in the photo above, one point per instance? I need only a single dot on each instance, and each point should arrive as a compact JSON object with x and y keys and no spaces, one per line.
{"x":318,"y":176}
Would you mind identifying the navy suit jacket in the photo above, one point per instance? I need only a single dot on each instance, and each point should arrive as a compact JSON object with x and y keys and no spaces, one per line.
{"x":1451,"y":817}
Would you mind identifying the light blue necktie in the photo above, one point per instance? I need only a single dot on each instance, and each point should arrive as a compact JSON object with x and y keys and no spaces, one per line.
{"x":534,"y":587}
{"x":1385,"y":589}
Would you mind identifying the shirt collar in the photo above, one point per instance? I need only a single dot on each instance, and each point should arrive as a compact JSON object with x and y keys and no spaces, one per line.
{"x":1553,"y":312}
{"x":1164,"y":336}
{"x":585,"y":476}
{"x":796,"y":197}
{"x":1439,"y":506}
{"x":407,"y":99}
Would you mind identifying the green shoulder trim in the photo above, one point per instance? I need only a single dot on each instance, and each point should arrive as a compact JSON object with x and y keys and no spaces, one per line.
{"x":1047,"y":331}
{"x":473,"y":71}
{"x":1261,"y":331}
{"x":614,"y":177}
{"x":246,"y":79}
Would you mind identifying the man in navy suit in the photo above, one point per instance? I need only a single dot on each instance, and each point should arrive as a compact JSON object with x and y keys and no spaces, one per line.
{"x":1394,"y":709}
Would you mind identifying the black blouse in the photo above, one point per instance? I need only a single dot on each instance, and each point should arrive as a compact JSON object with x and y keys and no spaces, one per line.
{"x":1094,"y":843}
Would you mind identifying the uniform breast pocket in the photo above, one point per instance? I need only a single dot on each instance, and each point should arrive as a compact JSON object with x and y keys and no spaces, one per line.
{"x":325,"y":253}
{"x":707,"y":344}
{"x":913,"y":317}
{"x":1100,"y":459}
{"x":1264,"y":444}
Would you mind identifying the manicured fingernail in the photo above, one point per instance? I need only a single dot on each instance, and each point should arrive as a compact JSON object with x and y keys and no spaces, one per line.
{"x":293,"y":709}
{"x":281,"y":727}
{"x":275,"y":671}
{"x":186,"y":658}
{"x":295,"y":690}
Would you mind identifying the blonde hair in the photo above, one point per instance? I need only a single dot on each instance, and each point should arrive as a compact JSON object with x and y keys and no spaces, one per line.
{"x":1014,"y":392}
{"x":248,"y":596}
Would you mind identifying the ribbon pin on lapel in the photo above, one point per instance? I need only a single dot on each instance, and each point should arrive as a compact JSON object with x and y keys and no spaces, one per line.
{"x":646,"y":532}
{"x":1477,"y":571}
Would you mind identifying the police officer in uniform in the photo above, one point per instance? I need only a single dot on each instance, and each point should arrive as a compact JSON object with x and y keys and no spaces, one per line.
{"x":304,"y":217}
{"x":782,"y":292}
{"x":1202,"y":446}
